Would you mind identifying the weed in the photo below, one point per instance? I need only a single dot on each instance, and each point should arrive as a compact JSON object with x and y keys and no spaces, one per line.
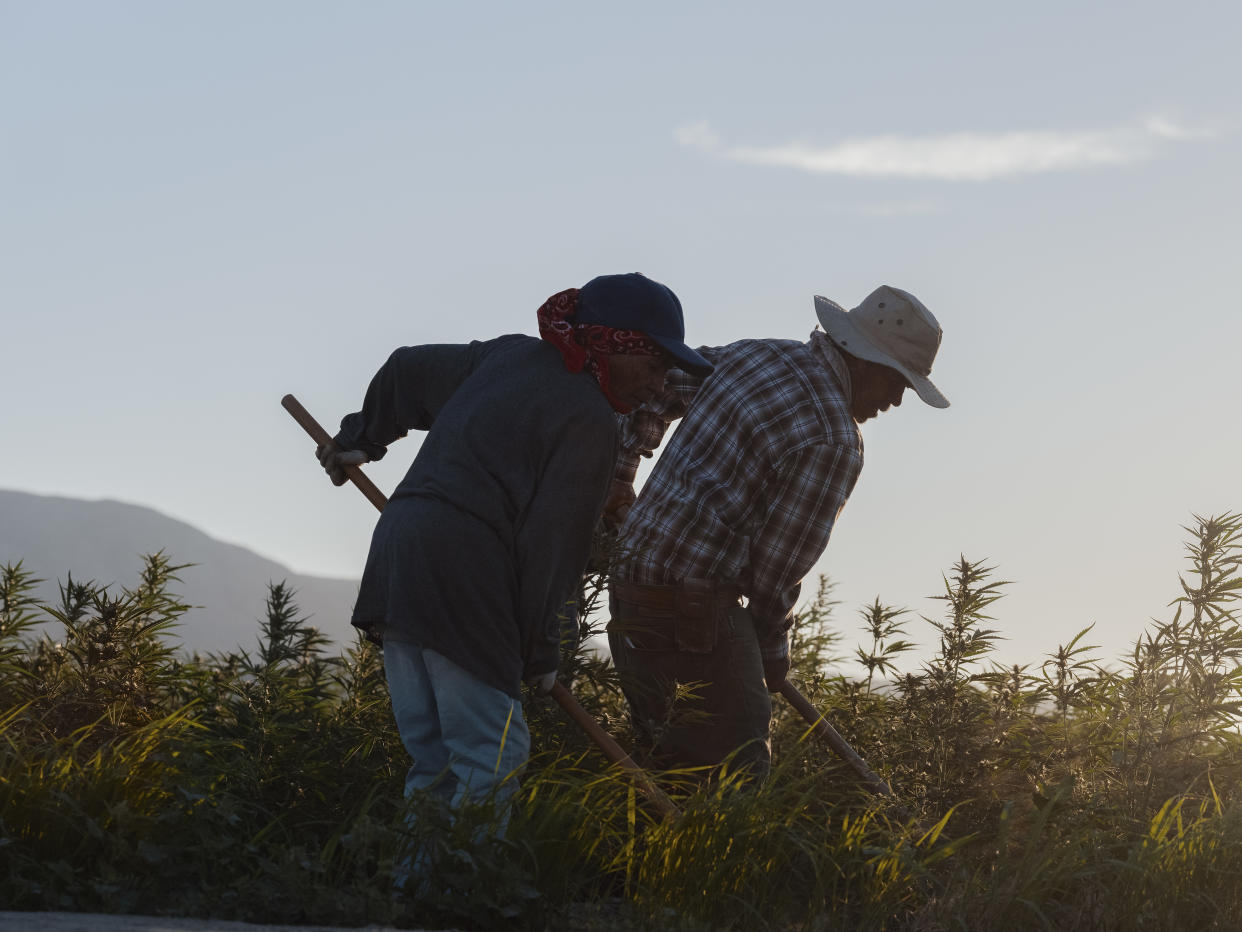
{"x":265,"y":784}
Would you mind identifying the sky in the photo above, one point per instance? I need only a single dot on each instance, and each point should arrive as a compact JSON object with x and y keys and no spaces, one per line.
{"x":204,"y":206}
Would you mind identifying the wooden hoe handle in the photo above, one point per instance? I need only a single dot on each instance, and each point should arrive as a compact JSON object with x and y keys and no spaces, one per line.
{"x":563,"y":696}
{"x":321,"y":436}
{"x":611,"y":749}
{"x":838,"y":744}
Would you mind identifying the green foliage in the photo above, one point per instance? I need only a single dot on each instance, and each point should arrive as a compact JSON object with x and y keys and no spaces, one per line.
{"x":265,"y":784}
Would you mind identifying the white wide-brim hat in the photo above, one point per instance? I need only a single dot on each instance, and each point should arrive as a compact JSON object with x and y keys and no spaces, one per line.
{"x":893,"y":328}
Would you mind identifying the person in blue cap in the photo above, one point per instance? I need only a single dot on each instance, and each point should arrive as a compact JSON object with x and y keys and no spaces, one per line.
{"x":488,"y":534}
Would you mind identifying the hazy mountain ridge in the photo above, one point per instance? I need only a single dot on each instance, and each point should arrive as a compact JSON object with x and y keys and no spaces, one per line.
{"x":104,"y":541}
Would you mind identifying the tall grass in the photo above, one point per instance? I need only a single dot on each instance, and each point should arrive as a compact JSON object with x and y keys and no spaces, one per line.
{"x":264,"y":784}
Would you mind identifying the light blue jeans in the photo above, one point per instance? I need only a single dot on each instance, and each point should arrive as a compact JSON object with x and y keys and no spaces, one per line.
{"x":467,"y":739}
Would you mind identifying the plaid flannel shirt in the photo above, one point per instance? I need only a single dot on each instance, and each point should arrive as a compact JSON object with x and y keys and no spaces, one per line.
{"x":751,"y":483}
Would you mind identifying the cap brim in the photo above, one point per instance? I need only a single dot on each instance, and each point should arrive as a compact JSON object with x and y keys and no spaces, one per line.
{"x":687,"y":358}
{"x":841,"y":330}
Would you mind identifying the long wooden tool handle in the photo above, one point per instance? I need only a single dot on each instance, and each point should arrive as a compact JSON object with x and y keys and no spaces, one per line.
{"x":321,"y":436}
{"x":834,"y":739}
{"x":611,"y":749}
{"x":564,"y":698}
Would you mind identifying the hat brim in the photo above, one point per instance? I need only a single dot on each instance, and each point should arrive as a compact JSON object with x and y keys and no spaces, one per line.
{"x":687,"y":358}
{"x":837,"y":324}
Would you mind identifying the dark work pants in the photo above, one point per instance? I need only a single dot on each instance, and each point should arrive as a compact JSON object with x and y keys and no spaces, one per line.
{"x":730,"y":709}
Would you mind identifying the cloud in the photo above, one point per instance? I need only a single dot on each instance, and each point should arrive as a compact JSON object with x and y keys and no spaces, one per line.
{"x":960,"y":156}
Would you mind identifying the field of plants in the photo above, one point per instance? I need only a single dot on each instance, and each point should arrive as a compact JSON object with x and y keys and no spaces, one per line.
{"x":265,"y":785}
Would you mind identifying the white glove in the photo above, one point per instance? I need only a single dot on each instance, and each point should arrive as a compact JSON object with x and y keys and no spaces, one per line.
{"x":543,"y":683}
{"x":334,"y":460}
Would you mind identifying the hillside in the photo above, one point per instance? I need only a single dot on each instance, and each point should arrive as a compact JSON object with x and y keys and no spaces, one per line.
{"x":105,"y":541}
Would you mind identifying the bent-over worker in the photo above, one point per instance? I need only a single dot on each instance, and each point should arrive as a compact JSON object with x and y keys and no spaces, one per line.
{"x":487,"y":536}
{"x":741,"y":503}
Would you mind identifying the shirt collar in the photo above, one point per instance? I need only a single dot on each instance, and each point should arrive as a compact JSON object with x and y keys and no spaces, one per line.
{"x":828,"y":354}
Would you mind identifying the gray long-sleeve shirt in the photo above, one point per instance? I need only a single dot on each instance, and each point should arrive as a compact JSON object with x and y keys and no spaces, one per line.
{"x":487,"y":535}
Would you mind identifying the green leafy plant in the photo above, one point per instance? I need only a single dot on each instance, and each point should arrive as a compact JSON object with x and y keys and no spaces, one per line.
{"x":266,"y":784}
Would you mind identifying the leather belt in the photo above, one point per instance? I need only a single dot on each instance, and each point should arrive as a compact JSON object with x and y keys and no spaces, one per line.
{"x":690,"y":597}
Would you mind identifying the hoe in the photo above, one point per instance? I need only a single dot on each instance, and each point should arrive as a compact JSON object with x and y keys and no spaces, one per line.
{"x":564,"y":698}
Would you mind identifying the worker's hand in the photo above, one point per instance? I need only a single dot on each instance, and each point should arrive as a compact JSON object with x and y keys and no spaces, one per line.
{"x":776,"y":661}
{"x":334,"y":460}
{"x":774,"y":672}
{"x":542,"y":683}
{"x":620,"y":497}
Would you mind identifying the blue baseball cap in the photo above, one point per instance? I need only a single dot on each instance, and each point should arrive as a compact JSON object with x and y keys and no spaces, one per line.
{"x":634,"y":302}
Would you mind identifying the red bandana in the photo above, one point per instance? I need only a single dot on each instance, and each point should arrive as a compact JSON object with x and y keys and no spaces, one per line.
{"x":589,"y":345}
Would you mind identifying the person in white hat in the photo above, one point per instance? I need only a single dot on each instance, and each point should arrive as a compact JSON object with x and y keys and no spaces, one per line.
{"x":741,"y":504}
